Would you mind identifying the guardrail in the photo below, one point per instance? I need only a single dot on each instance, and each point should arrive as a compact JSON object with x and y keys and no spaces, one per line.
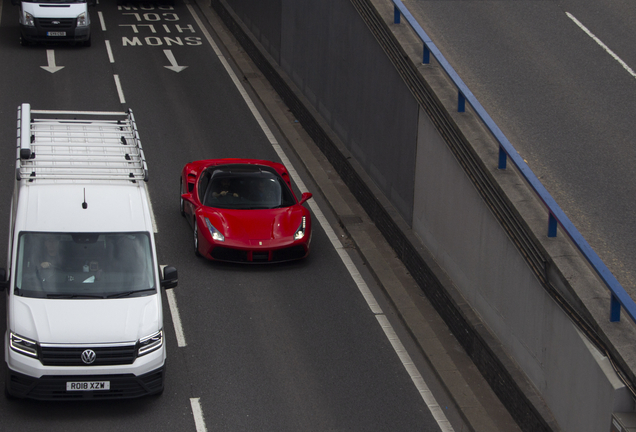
{"x":556,"y":216}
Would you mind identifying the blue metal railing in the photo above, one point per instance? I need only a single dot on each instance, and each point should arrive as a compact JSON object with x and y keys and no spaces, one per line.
{"x":556,"y":216}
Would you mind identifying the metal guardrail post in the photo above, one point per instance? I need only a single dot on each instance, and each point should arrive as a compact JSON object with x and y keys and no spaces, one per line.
{"x":503,"y":158}
{"x":461,"y":102}
{"x":552,"y":226}
{"x":615,"y":309}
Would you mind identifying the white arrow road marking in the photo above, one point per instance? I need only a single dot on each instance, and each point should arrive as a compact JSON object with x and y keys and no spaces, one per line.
{"x":175,"y":67}
{"x":50,"y":56}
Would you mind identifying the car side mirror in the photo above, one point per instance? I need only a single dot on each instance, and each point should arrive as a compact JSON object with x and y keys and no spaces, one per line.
{"x":188,"y":197}
{"x":3,"y":279}
{"x":170,"y":277}
{"x":305,"y":197}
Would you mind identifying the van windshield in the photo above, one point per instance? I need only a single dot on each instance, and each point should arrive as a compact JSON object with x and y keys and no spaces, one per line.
{"x":84,"y":265}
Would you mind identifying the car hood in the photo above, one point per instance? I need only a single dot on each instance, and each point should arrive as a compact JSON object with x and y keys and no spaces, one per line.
{"x":86,"y":321}
{"x":256,"y":224}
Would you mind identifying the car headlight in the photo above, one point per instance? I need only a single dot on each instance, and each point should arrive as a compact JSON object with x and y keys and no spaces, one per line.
{"x":29,"y":20}
{"x":215,"y":233}
{"x":82,"y":20}
{"x":150,"y":343}
{"x":24,"y":346}
{"x":300,"y":232}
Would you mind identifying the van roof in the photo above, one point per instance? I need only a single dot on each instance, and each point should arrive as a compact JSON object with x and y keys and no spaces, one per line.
{"x":58,"y":206}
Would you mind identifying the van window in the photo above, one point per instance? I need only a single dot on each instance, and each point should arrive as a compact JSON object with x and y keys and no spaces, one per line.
{"x":84,"y":265}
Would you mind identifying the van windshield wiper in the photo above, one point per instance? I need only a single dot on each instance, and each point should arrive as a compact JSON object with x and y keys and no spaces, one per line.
{"x":128,"y":293}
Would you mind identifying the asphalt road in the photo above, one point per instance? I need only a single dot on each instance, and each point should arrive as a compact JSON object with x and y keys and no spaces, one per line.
{"x":563,"y":100}
{"x":284,"y":347}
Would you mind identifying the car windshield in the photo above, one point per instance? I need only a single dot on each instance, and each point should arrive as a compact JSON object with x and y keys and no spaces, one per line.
{"x":84,"y":265}
{"x":247,"y":190}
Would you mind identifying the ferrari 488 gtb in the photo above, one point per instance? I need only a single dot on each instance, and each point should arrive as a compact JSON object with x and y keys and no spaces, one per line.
{"x":244,"y":210}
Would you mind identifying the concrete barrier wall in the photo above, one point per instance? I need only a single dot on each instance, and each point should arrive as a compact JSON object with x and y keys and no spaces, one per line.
{"x":328,"y":52}
{"x":468,"y":243}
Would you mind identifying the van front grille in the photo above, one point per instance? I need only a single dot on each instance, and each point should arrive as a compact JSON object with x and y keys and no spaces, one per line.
{"x":72,"y":356}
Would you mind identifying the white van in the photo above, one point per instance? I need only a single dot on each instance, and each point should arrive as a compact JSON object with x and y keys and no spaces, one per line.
{"x":83,"y":287}
{"x":54,"y":21}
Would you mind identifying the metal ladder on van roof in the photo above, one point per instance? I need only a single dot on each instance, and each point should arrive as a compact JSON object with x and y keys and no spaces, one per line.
{"x":79,"y":145}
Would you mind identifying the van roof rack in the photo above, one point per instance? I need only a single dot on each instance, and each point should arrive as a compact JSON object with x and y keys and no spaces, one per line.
{"x":72,"y":145}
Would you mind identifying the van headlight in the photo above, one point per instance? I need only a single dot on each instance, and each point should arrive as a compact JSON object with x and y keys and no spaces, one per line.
{"x":215,"y":233}
{"x":300,"y":232}
{"x":24,"y":346}
{"x":82,"y":20}
{"x":150,"y":343}
{"x":29,"y":20}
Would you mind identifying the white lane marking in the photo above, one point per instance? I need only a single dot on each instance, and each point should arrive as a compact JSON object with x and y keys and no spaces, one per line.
{"x":176,"y":318}
{"x":109,"y":51}
{"x":50,"y":59}
{"x":101,"y":20}
{"x":425,"y":392}
{"x":605,"y":47}
{"x":197,"y":412}
{"x":120,"y":92}
{"x":174,"y":66}
{"x":417,"y":379}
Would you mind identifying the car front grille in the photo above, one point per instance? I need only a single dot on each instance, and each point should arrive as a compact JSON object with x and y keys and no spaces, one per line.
{"x":278,"y":255}
{"x":55,"y":23}
{"x":72,"y":356}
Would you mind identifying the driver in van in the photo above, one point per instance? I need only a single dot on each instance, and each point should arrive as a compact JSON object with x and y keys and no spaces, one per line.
{"x":51,"y":257}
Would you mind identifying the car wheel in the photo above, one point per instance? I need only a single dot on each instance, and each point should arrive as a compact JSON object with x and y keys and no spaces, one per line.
{"x":181,"y":203}
{"x":196,"y":239}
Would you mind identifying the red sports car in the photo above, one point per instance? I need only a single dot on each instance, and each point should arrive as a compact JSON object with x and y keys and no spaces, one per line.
{"x":244,"y":210}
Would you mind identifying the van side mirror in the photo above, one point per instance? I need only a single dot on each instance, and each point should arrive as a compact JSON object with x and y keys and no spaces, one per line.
{"x":3,"y":279}
{"x":170,"y":277}
{"x":15,"y":2}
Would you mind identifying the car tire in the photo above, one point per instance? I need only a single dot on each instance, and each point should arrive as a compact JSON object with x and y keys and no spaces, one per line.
{"x":181,"y":203}
{"x":196,"y":239}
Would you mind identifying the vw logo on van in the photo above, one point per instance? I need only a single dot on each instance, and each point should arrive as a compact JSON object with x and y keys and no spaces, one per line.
{"x":88,"y":356}
{"x":55,"y":22}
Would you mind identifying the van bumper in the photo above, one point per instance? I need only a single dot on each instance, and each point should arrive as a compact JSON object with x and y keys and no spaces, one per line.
{"x":36,"y":34}
{"x":53,"y":387}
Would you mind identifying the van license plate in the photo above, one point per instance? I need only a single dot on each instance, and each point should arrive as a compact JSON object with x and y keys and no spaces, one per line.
{"x":56,"y":33}
{"x":87,"y":385}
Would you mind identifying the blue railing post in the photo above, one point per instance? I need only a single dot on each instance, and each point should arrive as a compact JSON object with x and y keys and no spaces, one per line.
{"x":552,"y":226}
{"x":396,"y":15}
{"x":426,"y":58}
{"x":503,"y":158}
{"x":461,"y":102}
{"x":615,"y":309}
